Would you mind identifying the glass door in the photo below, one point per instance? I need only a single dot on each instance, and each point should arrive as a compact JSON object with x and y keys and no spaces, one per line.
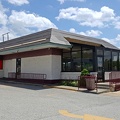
{"x":100,"y":69}
{"x":18,"y":67}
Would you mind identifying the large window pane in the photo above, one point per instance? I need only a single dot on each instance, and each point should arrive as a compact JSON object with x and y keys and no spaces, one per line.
{"x":99,"y":52}
{"x":114,"y":61}
{"x":66,"y":65}
{"x":107,"y":60}
{"x":87,"y":58}
{"x":76,"y":61}
{"x":76,"y":48}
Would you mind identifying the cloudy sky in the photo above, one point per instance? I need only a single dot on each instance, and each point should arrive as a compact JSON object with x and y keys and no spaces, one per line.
{"x":95,"y":18}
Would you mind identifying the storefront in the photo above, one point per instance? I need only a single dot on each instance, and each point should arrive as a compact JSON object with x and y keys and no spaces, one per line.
{"x":59,"y":55}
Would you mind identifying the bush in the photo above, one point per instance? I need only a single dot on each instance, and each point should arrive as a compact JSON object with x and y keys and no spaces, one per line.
{"x":73,"y":83}
{"x":84,"y":72}
{"x":82,"y":82}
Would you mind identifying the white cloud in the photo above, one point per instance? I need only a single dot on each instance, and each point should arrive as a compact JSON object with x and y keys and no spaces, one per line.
{"x":91,"y":33}
{"x":116,"y":22}
{"x":88,"y":17}
{"x":23,"y":22}
{"x":108,"y":40}
{"x":62,"y":1}
{"x":18,"y":2}
{"x":114,"y":41}
{"x":3,"y":16}
{"x":4,"y":30}
{"x":72,"y":30}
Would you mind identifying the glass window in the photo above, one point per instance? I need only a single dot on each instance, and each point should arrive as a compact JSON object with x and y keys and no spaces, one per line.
{"x":87,"y":58}
{"x":99,"y":52}
{"x":66,"y":62}
{"x":114,"y":61}
{"x":76,"y":61}
{"x":107,"y":60}
{"x":76,"y":48}
{"x":18,"y":65}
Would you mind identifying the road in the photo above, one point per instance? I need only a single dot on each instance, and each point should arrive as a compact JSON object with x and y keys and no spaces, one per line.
{"x":28,"y":102}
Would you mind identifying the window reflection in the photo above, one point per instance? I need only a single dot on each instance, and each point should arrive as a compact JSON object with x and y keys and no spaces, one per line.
{"x":66,"y":61}
{"x":114,"y":60}
{"x":72,"y":60}
{"x":87,"y":58}
{"x":107,"y":59}
{"x":76,"y":61}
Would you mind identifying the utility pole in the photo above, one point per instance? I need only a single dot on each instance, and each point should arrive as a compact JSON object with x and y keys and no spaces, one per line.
{"x":5,"y":34}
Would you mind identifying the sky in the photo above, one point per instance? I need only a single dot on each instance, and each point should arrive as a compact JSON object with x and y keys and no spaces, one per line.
{"x":94,"y":18}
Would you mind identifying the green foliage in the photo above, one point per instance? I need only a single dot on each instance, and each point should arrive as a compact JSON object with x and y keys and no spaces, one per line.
{"x":73,"y":83}
{"x":85,"y":72}
{"x":82,"y":81}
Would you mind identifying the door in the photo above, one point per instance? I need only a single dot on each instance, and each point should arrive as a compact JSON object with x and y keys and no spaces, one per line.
{"x":100,"y":69}
{"x":18,"y":67}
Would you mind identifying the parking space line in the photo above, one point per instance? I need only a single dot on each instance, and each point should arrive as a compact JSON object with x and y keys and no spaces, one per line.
{"x":85,"y":117}
{"x":66,"y":113}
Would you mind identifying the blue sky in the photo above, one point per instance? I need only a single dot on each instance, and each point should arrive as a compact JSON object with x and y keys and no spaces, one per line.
{"x":95,"y":18}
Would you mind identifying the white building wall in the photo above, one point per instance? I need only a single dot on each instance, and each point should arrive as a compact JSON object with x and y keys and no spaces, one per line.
{"x":56,"y":66}
{"x":49,"y":64}
{"x":107,"y":75}
{"x":39,"y":64}
{"x":70,"y":75}
{"x":9,"y":66}
{"x":74,"y":75}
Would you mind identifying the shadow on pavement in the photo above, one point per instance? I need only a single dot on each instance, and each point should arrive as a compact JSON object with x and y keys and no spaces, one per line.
{"x":22,"y":85}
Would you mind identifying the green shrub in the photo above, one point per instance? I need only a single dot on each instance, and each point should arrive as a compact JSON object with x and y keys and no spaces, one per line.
{"x":84,"y":72}
{"x":82,"y":82}
{"x":73,"y":83}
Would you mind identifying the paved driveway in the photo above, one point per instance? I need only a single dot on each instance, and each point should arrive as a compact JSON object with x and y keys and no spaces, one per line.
{"x":27,"y":102}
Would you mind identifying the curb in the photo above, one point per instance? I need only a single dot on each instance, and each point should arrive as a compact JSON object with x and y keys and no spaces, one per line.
{"x":51,"y":86}
{"x":59,"y":87}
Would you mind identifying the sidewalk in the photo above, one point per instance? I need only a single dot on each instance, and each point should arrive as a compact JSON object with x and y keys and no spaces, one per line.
{"x":102,"y":87}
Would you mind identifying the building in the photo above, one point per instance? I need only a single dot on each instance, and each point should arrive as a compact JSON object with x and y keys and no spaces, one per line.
{"x":58,"y":54}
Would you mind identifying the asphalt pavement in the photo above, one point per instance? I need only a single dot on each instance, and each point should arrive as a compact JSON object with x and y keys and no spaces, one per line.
{"x":30,"y":102}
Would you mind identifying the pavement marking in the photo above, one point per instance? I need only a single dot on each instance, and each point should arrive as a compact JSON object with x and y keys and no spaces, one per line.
{"x":85,"y":117}
{"x":66,"y":113}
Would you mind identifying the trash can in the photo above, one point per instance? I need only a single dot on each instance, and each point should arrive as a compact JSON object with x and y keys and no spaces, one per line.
{"x":90,"y":82}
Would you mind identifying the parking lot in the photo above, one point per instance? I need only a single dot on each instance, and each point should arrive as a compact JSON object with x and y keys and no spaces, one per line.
{"x":29,"y":102}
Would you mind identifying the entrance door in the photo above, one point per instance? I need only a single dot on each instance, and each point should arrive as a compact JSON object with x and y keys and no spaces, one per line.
{"x":18,"y":67}
{"x":100,"y":69}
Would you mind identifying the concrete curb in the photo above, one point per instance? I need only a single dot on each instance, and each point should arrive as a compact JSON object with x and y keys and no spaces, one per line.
{"x":57,"y":87}
{"x":60,"y":87}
